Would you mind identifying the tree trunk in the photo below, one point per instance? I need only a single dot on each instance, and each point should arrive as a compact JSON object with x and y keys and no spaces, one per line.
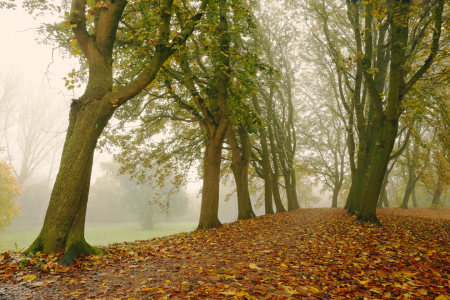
{"x":414,"y":197}
{"x":267,"y":169}
{"x":412,"y":179}
{"x":267,"y":172}
{"x":294,"y":188}
{"x":276,"y":194}
{"x":63,"y":228}
{"x":354,"y":199}
{"x":239,"y":166}
{"x":335,"y":197}
{"x":408,"y":192}
{"x":437,"y":195}
{"x":378,"y":166}
{"x":211,"y":180}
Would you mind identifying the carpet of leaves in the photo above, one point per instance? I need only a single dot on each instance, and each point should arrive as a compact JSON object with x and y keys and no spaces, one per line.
{"x":305,"y":254}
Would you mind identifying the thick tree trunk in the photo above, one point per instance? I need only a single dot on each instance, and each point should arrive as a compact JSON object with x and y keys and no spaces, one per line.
{"x":378,"y":166}
{"x":63,"y":228}
{"x":209,"y":217}
{"x":239,"y":166}
{"x":354,"y":199}
{"x":335,"y":197}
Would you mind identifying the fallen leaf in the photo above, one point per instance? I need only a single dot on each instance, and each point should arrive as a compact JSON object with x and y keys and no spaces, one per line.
{"x":29,"y":278}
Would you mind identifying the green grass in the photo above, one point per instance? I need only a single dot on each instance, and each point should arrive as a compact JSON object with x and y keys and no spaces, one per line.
{"x":99,"y":234}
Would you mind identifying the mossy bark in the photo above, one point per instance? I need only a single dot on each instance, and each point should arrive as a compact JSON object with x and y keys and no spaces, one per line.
{"x":63,"y":228}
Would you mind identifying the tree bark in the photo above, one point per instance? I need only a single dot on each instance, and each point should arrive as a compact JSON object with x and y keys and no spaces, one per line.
{"x":209,"y":210}
{"x":413,"y":193}
{"x":218,"y":128}
{"x":63,"y":228}
{"x":269,"y":190}
{"x":436,"y":203}
{"x":239,"y":166}
{"x":437,"y":198}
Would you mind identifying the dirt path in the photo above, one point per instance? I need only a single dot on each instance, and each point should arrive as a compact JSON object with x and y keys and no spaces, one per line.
{"x":309,"y":253}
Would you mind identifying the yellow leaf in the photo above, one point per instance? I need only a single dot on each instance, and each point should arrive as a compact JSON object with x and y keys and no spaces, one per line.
{"x":422,"y":292}
{"x":290,"y":290}
{"x":73,"y":43}
{"x":228,"y":293}
{"x":168,"y":281}
{"x":442,"y":297}
{"x":254,"y":266}
{"x":314,"y":290}
{"x":283,"y":265}
{"x":364,"y":282}
{"x":29,"y":278}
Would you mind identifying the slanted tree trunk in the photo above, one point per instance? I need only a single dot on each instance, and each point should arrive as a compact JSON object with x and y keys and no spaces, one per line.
{"x":239,"y":166}
{"x":63,"y":228}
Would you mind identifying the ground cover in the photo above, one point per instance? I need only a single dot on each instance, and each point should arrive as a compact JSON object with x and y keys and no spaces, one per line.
{"x":308,"y":253}
{"x":96,"y":234}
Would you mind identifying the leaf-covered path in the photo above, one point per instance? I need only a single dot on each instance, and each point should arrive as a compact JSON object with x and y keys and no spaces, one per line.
{"x":309,"y":253}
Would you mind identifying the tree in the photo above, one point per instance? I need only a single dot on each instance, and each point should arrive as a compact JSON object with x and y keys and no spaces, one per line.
{"x":9,"y":189}
{"x":276,"y":39}
{"x":402,"y":77}
{"x":200,"y":97}
{"x":101,"y":43}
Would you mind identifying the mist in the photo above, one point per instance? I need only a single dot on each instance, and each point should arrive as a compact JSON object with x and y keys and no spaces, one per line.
{"x":299,"y":126}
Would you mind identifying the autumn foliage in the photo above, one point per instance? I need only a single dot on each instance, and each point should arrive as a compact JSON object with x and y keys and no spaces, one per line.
{"x":313,"y":253}
{"x":9,"y":189}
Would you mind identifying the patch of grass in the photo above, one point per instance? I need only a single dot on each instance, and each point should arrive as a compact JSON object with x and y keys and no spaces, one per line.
{"x":96,"y":235}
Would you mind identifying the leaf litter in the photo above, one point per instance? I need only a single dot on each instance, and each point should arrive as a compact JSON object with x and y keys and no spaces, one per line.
{"x":304,"y":254}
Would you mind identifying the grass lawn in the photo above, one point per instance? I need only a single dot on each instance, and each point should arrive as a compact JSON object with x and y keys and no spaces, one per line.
{"x":100,"y":234}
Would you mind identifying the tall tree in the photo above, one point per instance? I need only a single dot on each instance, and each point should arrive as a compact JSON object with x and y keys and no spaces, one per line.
{"x":95,"y":27}
{"x":387,"y":113}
